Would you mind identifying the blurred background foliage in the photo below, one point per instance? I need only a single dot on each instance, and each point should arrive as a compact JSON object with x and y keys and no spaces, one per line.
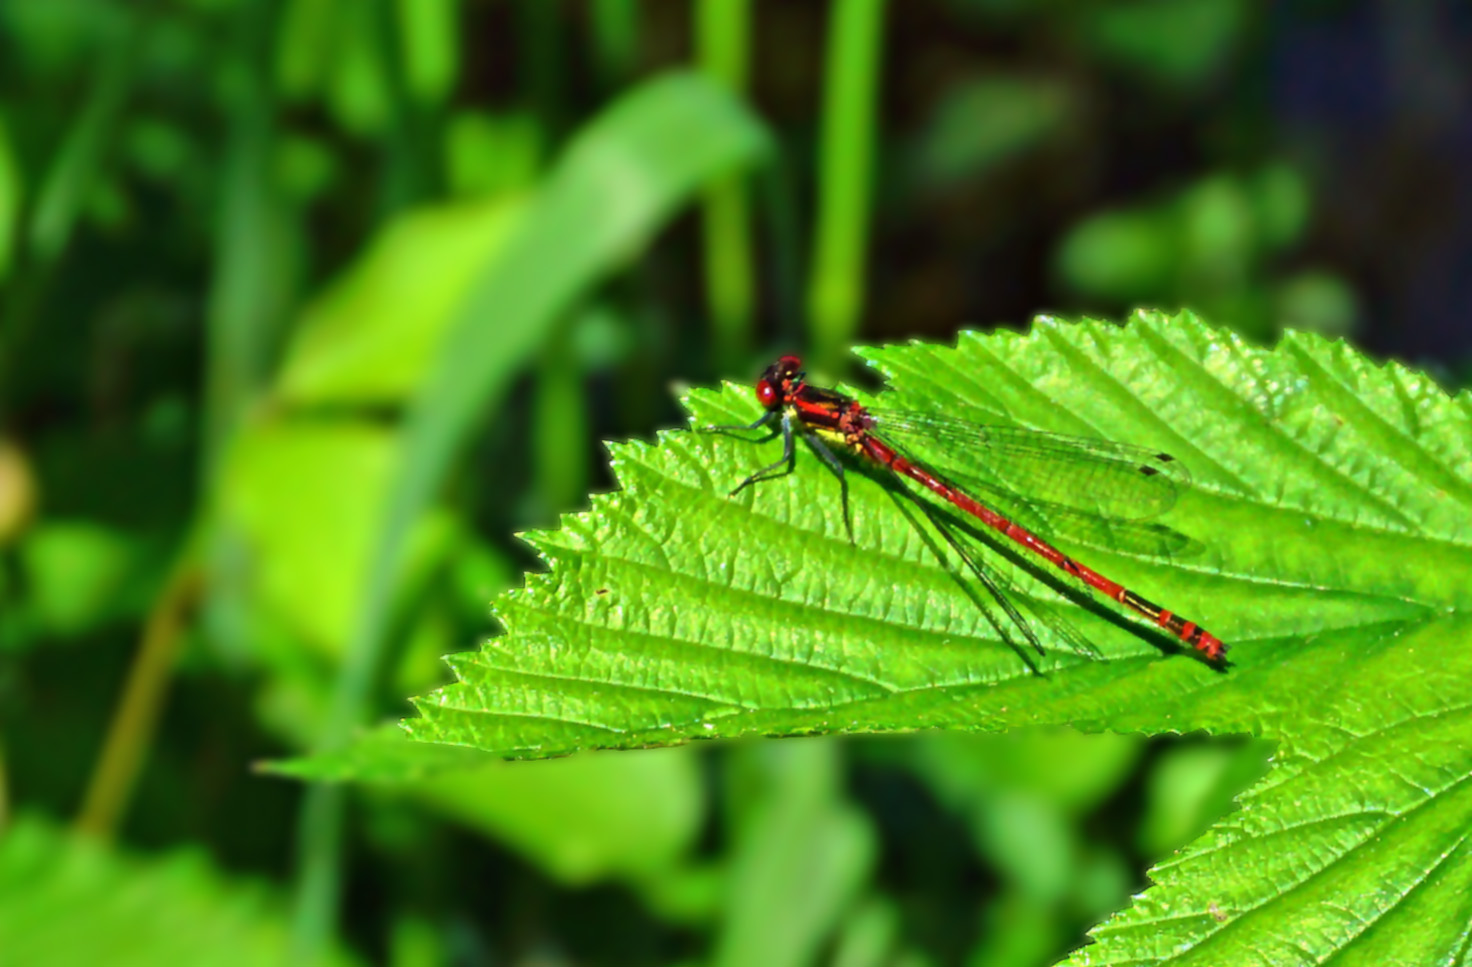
{"x":307,"y":305}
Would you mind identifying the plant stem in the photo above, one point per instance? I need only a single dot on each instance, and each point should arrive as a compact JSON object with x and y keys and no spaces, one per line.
{"x":836,"y":288}
{"x":137,"y":714}
{"x":722,"y":42}
{"x":75,"y":170}
{"x":560,"y":424}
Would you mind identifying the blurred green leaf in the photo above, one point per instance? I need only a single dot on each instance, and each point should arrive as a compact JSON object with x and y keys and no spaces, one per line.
{"x":869,"y":935}
{"x":800,"y":857}
{"x":587,"y":818}
{"x":1319,"y":302}
{"x":490,"y":154}
{"x":1217,"y":235}
{"x":417,"y":941}
{"x":1194,"y":783}
{"x":1032,"y":842}
{"x":306,"y":497}
{"x":66,"y":899}
{"x":980,"y":124}
{"x":79,"y":574}
{"x":1014,"y":931}
{"x":1281,"y":203}
{"x":305,"y":167}
{"x":1125,"y":255}
{"x":55,"y":38}
{"x":1209,"y":243}
{"x":1024,"y":796}
{"x":480,"y":572}
{"x":371,"y":336}
{"x":159,"y":149}
{"x":584,"y":819}
{"x":1179,"y":43}
{"x":1069,"y":769}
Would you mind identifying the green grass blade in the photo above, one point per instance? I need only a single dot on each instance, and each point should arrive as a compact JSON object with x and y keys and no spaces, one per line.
{"x":840,"y":248}
{"x":723,"y":29}
{"x":560,"y":435}
{"x":431,"y":57}
{"x":247,"y":295}
{"x":11,"y":193}
{"x":63,"y":191}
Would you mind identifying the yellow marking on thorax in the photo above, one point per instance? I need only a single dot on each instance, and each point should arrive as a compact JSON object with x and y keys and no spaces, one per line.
{"x":831,"y":435}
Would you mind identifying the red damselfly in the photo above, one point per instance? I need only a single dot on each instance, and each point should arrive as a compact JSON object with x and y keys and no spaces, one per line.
{"x":1036,"y":482}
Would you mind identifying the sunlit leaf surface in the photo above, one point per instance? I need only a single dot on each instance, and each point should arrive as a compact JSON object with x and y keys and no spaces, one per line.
{"x":1332,"y":516}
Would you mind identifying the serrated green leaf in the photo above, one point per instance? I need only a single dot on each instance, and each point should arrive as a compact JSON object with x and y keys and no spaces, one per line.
{"x":66,"y":899}
{"x":673,"y":612}
{"x":1331,"y":504}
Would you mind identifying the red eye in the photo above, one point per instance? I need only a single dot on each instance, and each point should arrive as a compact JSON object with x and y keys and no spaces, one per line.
{"x":766,"y":393}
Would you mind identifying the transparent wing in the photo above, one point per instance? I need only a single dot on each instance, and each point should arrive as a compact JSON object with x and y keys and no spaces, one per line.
{"x":1048,"y":520}
{"x":1052,"y":475}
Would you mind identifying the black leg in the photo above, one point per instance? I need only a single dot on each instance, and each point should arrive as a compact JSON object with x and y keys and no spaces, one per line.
{"x":767,"y":418}
{"x":782,"y":467}
{"x":993,"y":582}
{"x":836,"y":465}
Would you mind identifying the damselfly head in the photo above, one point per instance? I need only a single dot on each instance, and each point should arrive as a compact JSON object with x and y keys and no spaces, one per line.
{"x":777,"y":381}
